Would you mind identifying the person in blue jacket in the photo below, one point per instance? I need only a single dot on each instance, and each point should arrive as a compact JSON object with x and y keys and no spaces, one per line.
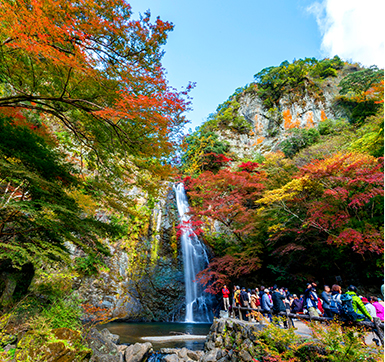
{"x":266,"y":304}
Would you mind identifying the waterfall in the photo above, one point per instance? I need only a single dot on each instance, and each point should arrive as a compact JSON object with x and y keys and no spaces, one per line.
{"x":195,"y":259}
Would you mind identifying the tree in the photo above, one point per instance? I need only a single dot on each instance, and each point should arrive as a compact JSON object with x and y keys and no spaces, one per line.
{"x":38,"y":214}
{"x":361,"y":92}
{"x":204,"y":151}
{"x":357,"y":84}
{"x":227,"y":198}
{"x":329,"y":216}
{"x":89,"y":67}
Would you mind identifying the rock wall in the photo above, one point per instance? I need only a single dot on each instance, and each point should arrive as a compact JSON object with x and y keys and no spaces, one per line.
{"x":145,"y":283}
{"x":230,"y":340}
{"x":270,"y":127}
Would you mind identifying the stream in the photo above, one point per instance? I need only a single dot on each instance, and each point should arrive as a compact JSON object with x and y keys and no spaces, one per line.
{"x":130,"y":332}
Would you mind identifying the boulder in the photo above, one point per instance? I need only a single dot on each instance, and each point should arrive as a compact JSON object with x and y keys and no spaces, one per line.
{"x":114,"y":338}
{"x":122,"y":348}
{"x":103,"y":349}
{"x":171,"y":358}
{"x":244,"y":356}
{"x":138,"y":352}
{"x":212,"y":356}
{"x":169,"y":350}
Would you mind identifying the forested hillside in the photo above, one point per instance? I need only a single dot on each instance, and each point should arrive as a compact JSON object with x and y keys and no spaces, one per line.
{"x":309,"y":204}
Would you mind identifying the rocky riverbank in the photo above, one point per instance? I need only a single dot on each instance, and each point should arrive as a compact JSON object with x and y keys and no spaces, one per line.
{"x":229,"y":340}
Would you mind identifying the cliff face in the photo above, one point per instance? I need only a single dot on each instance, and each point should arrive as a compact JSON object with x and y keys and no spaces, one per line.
{"x":266,"y":127}
{"x":144,"y":281}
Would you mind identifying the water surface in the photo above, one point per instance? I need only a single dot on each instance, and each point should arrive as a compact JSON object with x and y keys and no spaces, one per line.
{"x":132,"y":333}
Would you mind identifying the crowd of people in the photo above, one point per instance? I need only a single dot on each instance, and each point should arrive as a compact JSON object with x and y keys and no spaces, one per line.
{"x":330,"y":303}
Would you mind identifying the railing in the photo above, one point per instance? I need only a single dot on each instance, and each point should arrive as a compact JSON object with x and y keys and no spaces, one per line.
{"x":376,"y":326}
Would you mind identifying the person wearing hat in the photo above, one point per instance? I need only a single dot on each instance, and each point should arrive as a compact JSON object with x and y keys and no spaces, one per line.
{"x":370,"y":307}
{"x":266,"y":304}
{"x":297,"y":305}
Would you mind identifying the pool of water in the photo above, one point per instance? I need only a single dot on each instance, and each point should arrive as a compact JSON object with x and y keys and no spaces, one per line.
{"x":132,"y":333}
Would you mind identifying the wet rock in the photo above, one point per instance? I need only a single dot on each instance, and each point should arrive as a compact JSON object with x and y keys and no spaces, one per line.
{"x":114,"y":338}
{"x":194,"y":355}
{"x":138,"y":352}
{"x":209,"y":345}
{"x":183,"y":354}
{"x":224,"y":359}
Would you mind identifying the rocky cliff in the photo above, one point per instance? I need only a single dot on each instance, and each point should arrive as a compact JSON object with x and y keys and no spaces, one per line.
{"x":142,"y":281}
{"x":251,"y":126}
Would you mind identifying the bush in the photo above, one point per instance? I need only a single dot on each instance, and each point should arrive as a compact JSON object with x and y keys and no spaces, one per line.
{"x":86,"y":265}
{"x":62,"y":313}
{"x":300,"y":138}
{"x":332,"y":126}
{"x":329,"y":343}
{"x":65,"y":313}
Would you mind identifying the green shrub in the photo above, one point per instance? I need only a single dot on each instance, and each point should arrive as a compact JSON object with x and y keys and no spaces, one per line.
{"x":332,"y":126}
{"x":64,"y":313}
{"x":300,"y":138}
{"x":86,"y":265}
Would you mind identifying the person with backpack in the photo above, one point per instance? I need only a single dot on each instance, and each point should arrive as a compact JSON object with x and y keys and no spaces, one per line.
{"x":254,"y":303}
{"x":335,"y":301}
{"x":278,"y":304}
{"x":326,"y":298}
{"x":370,"y":307}
{"x":237,"y":291}
{"x":244,"y":302}
{"x":352,"y":307}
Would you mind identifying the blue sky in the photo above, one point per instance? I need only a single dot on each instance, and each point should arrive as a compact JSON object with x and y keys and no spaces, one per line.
{"x":220,"y":45}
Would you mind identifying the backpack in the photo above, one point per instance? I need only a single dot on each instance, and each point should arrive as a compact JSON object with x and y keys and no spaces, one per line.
{"x":236,"y":296}
{"x":244,"y":298}
{"x":347,"y":311}
{"x":334,"y":304}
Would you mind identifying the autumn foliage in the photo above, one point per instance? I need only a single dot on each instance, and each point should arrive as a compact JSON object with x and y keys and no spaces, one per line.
{"x":95,"y":71}
{"x":332,"y":206}
{"x":340,"y":196}
{"x":228,"y":198}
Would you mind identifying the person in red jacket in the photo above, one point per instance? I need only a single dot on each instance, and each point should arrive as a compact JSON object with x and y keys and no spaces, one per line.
{"x":226,"y":293}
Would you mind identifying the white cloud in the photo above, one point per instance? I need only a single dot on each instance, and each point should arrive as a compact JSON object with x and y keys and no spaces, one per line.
{"x":352,"y":29}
